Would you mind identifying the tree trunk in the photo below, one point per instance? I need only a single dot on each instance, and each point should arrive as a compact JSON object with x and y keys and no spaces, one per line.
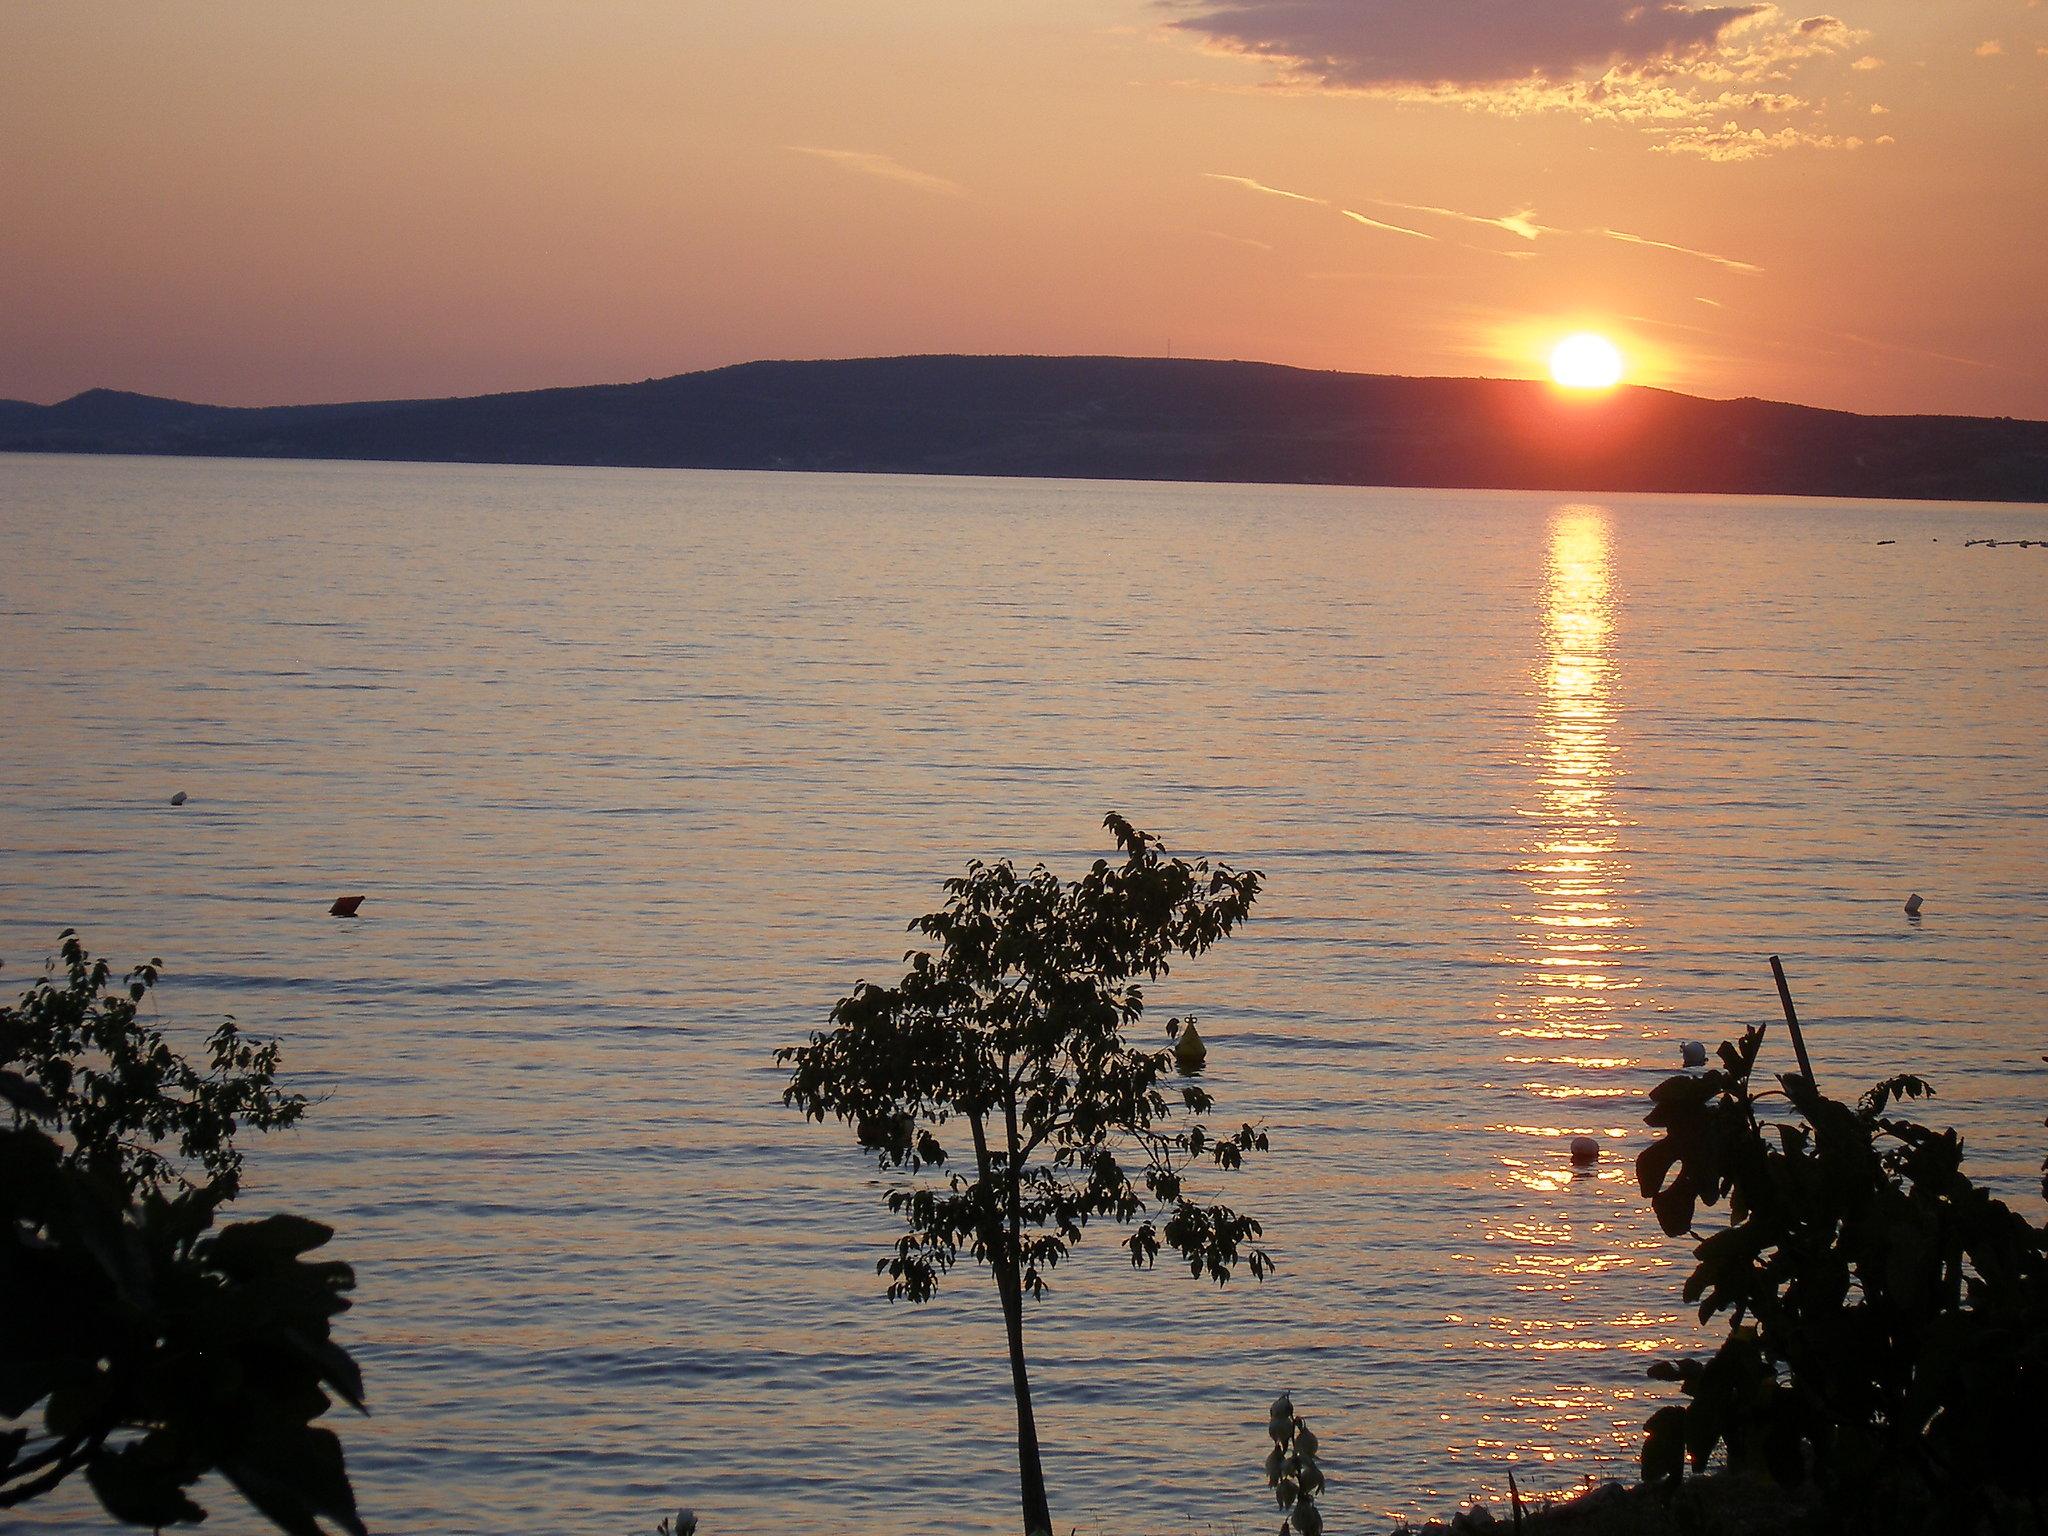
{"x":1037,"y":1514}
{"x":1000,"y":1236}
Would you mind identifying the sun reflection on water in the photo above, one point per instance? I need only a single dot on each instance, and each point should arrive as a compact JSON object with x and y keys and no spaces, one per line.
{"x":1565,"y":1247}
{"x":1573,"y":951}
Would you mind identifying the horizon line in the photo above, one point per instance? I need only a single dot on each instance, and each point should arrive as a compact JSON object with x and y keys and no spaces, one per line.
{"x":900,"y":357}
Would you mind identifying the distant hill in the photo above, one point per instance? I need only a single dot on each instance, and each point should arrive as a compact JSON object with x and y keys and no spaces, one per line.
{"x":1110,"y":418}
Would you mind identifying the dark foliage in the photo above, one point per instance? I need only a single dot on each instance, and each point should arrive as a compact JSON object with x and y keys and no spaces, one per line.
{"x":1888,"y":1319}
{"x":160,"y":1351}
{"x":133,"y":1109}
{"x":138,"y":1345}
{"x":1292,"y":1469}
{"x":996,"y":1082}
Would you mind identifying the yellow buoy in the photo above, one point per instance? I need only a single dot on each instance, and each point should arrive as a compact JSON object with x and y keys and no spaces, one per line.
{"x":1188,"y":1050}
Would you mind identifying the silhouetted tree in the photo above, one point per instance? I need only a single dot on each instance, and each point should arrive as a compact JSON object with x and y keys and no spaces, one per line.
{"x":1012,"y":1028}
{"x":131,"y":1107}
{"x":157,"y":1349}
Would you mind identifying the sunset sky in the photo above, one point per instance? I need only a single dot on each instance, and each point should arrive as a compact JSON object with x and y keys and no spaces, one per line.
{"x":260,"y":201}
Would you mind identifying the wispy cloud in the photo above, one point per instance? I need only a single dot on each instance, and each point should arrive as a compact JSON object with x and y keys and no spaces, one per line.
{"x":1260,"y":186}
{"x":1880,"y":345}
{"x":1218,"y":234}
{"x":886,"y":167}
{"x":1522,"y":225}
{"x":1392,"y":229}
{"x":1251,"y":183}
{"x":1730,"y":262}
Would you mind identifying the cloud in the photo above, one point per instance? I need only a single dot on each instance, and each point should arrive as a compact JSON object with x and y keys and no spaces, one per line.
{"x":1676,"y":72}
{"x":1218,"y":234}
{"x":883,"y":166}
{"x":1729,"y":262}
{"x":1392,"y":229}
{"x":1260,"y":186}
{"x":1253,"y":184}
{"x":1990,"y":48}
{"x":1521,"y":225}
{"x":1731,"y":141}
{"x":1369,"y":43}
{"x":1880,"y":345}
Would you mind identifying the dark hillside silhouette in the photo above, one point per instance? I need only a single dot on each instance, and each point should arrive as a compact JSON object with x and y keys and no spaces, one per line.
{"x":1112,"y":418}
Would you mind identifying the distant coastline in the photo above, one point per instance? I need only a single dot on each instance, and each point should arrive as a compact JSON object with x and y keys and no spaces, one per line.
{"x":1110,"y":418}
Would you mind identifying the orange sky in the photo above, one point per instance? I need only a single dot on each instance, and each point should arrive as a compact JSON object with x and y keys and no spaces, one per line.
{"x":256,"y":201}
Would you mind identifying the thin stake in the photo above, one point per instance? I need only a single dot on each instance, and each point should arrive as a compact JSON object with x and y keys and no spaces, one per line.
{"x":1792,"y":1021}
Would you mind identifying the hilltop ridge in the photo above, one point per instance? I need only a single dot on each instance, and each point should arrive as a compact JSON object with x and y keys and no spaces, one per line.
{"x":1108,"y":418}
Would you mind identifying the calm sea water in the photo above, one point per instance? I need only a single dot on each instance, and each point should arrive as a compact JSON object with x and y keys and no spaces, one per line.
{"x":640,"y":771}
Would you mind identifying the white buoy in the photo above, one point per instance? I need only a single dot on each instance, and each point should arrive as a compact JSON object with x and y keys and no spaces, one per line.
{"x":178,"y":798}
{"x":1913,"y":905}
{"x":1585,"y":1150}
{"x":1692,"y":1053}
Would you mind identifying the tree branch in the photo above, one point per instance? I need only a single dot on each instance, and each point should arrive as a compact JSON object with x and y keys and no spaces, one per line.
{"x":82,"y":1450}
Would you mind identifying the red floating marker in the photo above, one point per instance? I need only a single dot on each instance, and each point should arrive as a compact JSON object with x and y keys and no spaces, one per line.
{"x":345,"y":906}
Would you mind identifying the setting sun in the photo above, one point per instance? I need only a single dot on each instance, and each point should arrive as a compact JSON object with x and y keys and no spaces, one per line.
{"x":1586,"y":361}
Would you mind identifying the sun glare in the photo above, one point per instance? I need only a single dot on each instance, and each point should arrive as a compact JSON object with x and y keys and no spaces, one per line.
{"x":1586,"y":361}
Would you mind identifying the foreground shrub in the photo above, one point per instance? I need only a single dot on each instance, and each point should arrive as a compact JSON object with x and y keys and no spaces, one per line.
{"x":130,"y":1107}
{"x":143,"y":1348}
{"x":1888,"y":1318}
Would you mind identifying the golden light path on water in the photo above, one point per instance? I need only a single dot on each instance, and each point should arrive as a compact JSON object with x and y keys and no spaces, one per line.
{"x":1574,"y":929}
{"x":1570,"y":1249}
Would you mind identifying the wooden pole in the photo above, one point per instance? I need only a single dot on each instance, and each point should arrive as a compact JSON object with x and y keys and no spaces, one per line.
{"x":1792,"y":1020}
